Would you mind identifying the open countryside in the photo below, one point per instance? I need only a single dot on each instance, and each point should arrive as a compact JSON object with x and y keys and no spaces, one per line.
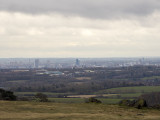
{"x":62,"y":111}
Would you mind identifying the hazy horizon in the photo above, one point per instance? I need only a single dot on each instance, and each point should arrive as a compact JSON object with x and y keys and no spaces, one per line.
{"x":79,"y":29}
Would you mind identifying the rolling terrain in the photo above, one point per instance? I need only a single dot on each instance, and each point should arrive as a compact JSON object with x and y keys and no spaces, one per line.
{"x":60,"y":111}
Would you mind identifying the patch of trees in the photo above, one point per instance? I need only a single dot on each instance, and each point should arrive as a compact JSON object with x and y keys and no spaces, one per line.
{"x":101,"y":78}
{"x":147,"y":100}
{"x":40,"y":97}
{"x":92,"y":100}
{"x":7,"y":95}
{"x":140,"y":103}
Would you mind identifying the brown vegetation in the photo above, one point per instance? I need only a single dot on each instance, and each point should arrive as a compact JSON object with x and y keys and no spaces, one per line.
{"x":58,"y":111}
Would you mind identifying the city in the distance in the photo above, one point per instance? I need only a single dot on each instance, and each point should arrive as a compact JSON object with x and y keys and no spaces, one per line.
{"x":59,"y":63}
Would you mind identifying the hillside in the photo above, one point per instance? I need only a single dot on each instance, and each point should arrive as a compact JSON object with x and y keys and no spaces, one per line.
{"x":60,"y":111}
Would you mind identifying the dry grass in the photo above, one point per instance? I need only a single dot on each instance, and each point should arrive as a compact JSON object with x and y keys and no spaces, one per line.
{"x":59,"y":111}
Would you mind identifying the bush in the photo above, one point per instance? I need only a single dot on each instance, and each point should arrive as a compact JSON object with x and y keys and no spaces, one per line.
{"x":7,"y":95}
{"x":92,"y":100}
{"x":125,"y":103}
{"x":140,"y":103}
{"x":40,"y":97}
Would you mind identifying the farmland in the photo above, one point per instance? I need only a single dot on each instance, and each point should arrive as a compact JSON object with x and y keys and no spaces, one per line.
{"x":132,"y":90}
{"x":110,"y":85}
{"x":78,"y":81}
{"x":82,"y":100}
{"x":108,"y":96}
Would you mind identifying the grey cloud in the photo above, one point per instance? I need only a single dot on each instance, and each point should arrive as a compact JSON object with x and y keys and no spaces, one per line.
{"x":85,"y":8}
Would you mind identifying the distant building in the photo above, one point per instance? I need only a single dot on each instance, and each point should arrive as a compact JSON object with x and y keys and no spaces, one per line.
{"x":36,"y":63}
{"x":77,"y":62}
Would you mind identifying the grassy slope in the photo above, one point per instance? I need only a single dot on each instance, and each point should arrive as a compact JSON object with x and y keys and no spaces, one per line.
{"x":61,"y":111}
{"x":137,"y":89}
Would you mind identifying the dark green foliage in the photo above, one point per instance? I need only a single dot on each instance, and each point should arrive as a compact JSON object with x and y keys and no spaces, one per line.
{"x":146,"y":100}
{"x":92,"y":100}
{"x":7,"y":95}
{"x":140,"y":103}
{"x":71,"y":82}
{"x":100,"y":79}
{"x":125,"y":103}
{"x":40,"y":97}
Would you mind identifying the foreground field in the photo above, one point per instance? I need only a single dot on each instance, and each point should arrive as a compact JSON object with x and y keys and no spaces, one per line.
{"x":61,"y":111}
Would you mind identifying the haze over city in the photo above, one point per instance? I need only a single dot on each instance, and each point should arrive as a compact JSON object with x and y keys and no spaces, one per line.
{"x":79,"y":60}
{"x":79,"y":28}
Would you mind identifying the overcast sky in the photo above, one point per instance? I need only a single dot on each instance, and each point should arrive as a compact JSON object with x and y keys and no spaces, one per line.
{"x":79,"y":28}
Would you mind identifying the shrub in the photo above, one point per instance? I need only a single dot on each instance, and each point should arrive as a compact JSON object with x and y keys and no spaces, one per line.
{"x":140,"y":103}
{"x":92,"y":100}
{"x":7,"y":95}
{"x":40,"y":97}
{"x":124,"y":103}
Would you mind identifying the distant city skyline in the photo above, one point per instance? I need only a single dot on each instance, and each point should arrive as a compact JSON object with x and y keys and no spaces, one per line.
{"x":79,"y":28}
{"x":60,"y":63}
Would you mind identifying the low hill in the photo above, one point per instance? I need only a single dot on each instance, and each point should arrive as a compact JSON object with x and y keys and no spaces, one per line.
{"x":16,"y":110}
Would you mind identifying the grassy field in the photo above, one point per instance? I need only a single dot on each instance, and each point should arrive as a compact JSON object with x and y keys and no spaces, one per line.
{"x":130,"y":95}
{"x":49,"y":94}
{"x":131,"y":90}
{"x":70,"y":100}
{"x":151,"y":78}
{"x":61,"y":111}
{"x":67,"y":100}
{"x":33,"y":93}
{"x":113,"y":95}
{"x":82,"y":100}
{"x":121,"y":90}
{"x":109,"y":101}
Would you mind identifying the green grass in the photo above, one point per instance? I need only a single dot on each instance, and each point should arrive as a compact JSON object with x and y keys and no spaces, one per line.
{"x":67,"y":100}
{"x":109,"y":101}
{"x":151,"y":78}
{"x":130,"y":95}
{"x":82,"y":100}
{"x":120,"y":93}
{"x":130,"y":90}
{"x":33,"y":93}
{"x":60,"y":111}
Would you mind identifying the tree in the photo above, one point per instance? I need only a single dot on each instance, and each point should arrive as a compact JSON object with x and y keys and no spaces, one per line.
{"x":93,"y":100}
{"x":139,"y":103}
{"x":7,"y":95}
{"x":40,"y":97}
